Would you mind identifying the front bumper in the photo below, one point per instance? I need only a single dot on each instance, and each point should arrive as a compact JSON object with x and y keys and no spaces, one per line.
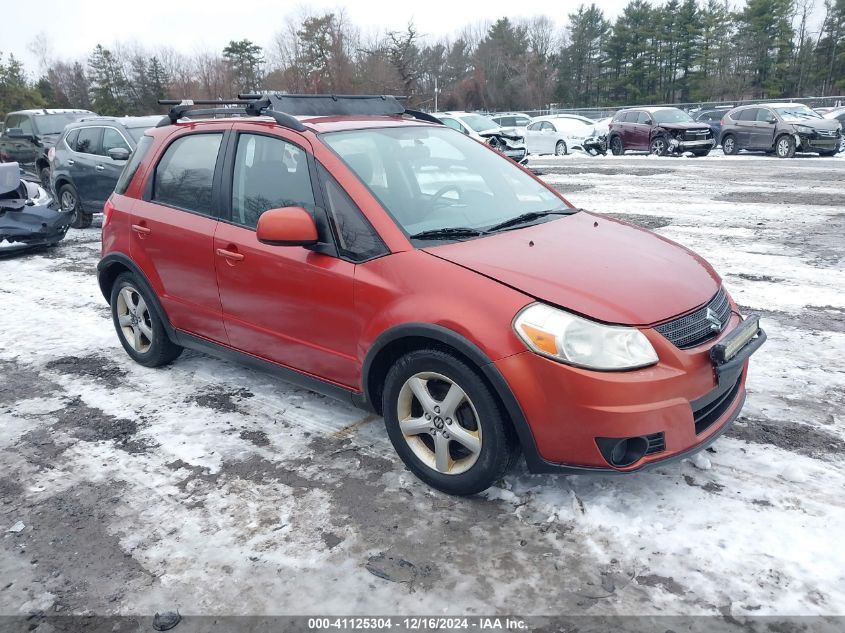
{"x":680,"y":404}
{"x":814,"y":143}
{"x":708,"y":143}
{"x":515,"y":153}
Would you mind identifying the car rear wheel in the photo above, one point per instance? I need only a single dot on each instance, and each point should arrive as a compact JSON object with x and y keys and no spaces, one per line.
{"x":616,"y":147}
{"x":829,"y":153}
{"x":659,"y":146}
{"x":561,"y":149}
{"x":785,"y":146}
{"x":138,"y":324}
{"x":445,"y":423}
{"x":69,"y":201}
{"x":729,"y":146}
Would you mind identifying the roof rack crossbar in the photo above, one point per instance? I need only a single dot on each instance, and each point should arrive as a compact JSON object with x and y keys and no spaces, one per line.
{"x":253,"y":105}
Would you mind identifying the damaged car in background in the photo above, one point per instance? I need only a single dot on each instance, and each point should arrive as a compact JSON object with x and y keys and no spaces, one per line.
{"x":659,"y":131}
{"x":28,"y":215}
{"x":508,"y":141}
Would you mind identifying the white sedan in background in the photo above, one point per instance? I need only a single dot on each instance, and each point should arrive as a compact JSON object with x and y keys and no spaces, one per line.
{"x":557,"y":134}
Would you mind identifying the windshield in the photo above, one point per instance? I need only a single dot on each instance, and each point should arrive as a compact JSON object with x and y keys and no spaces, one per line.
{"x":479,"y":123}
{"x":796,"y":113}
{"x":433,"y":178}
{"x":54,"y":123}
{"x":671,"y":115}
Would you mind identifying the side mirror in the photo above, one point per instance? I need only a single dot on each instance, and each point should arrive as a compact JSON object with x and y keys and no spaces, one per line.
{"x":118,"y":153}
{"x":16,"y":132}
{"x":288,"y":226}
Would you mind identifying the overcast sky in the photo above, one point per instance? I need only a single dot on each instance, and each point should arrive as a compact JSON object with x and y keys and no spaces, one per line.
{"x":73,"y":28}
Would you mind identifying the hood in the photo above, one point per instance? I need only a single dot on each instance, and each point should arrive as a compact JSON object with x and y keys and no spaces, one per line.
{"x":508,"y":133}
{"x":684,"y":125}
{"x":818,"y":124}
{"x":589,"y":264}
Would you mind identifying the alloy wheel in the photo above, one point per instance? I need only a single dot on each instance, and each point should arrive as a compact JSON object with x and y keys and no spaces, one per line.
{"x":439,"y":423}
{"x":133,"y":315}
{"x":783,"y":147}
{"x":560,"y":148}
{"x":658,"y":146}
{"x":728,"y":145}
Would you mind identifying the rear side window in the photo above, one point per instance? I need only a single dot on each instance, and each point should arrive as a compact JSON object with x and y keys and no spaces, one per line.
{"x":184,"y":175}
{"x":748,"y":115}
{"x":132,"y":165}
{"x":88,"y":141}
{"x":632,"y":117}
{"x":70,"y":139}
{"x":356,"y":239}
{"x":643,"y":117}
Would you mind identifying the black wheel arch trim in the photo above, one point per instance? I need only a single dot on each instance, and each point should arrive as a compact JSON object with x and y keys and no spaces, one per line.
{"x":124,"y":260}
{"x":469,"y":349}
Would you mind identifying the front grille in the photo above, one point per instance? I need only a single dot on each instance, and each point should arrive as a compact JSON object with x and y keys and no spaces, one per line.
{"x":700,"y":326}
{"x":828,"y":133}
{"x":696,"y":135}
{"x":656,"y":443}
{"x":706,"y":415}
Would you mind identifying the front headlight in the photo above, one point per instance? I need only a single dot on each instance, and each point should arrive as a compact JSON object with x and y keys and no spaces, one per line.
{"x":804,"y":129}
{"x":578,"y":341}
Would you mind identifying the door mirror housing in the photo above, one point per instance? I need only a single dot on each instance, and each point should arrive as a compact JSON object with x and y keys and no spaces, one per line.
{"x":287,"y":226}
{"x":118,"y":153}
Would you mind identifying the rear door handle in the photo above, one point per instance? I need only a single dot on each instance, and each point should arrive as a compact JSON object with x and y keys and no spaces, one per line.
{"x":141,"y":230}
{"x":71,"y":162}
{"x":99,"y":168}
{"x":230,"y":255}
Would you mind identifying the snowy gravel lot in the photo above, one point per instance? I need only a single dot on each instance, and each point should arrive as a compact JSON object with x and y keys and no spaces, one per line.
{"x":220,"y":490}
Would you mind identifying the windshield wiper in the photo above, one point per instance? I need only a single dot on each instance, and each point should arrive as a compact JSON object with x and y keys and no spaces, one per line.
{"x":528,"y":217}
{"x":447,"y":233}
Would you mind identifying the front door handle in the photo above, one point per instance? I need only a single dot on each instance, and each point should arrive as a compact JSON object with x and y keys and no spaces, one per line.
{"x":230,"y":255}
{"x":141,"y":230}
{"x":99,"y":168}
{"x":71,"y":162}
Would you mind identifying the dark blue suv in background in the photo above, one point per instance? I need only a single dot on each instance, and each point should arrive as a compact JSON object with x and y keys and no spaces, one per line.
{"x":88,"y":158}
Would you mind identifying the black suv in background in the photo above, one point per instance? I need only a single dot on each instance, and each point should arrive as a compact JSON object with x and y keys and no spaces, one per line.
{"x":88,"y":159}
{"x":29,"y":134}
{"x":782,"y":128}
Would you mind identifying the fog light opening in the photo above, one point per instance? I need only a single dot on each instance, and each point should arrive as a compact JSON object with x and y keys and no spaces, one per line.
{"x":622,"y":451}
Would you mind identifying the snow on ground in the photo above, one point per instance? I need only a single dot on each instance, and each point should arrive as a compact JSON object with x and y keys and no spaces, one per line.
{"x":216,"y":489}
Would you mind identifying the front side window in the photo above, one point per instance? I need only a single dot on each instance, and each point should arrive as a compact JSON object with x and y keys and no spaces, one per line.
{"x":113,"y":139}
{"x":184,"y":175}
{"x":435,"y":179}
{"x":88,"y":141}
{"x":643,"y":118}
{"x":270,"y":173}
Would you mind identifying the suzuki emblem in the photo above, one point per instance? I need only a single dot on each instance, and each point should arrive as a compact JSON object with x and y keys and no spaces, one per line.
{"x":715,"y":322}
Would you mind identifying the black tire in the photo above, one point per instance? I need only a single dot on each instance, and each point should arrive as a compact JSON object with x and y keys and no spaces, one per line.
{"x":659,"y":145}
{"x":700,"y":152}
{"x":729,"y":145}
{"x":161,"y":350}
{"x":830,"y":153}
{"x":44,"y":176}
{"x":69,"y":201}
{"x":785,"y":146}
{"x":498,"y":446}
{"x":561,"y":149}
{"x":616,"y":147}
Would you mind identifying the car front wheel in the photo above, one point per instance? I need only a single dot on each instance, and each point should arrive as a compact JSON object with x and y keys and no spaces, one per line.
{"x":445,"y":423}
{"x":785,"y":146}
{"x":659,"y":146}
{"x":138,"y":324}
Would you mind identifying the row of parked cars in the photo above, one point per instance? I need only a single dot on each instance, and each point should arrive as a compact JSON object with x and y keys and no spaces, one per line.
{"x":779,"y":128}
